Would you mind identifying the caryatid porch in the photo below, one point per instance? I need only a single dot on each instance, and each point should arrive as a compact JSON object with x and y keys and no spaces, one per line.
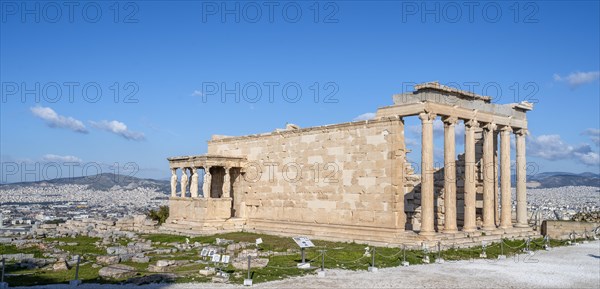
{"x":482,"y":117}
{"x":206,"y":189}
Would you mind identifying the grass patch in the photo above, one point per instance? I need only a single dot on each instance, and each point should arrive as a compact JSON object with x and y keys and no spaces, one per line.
{"x":350,"y":256}
{"x":41,"y":277}
{"x":12,"y":249}
{"x":85,"y":245}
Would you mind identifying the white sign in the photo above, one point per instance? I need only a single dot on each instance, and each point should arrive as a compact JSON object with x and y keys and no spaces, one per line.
{"x":225,"y":259}
{"x":303,"y":242}
{"x":204,"y":252}
{"x":211,"y":252}
{"x":258,"y":241}
{"x":216,"y":258}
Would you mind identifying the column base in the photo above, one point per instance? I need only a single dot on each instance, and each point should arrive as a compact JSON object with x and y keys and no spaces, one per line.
{"x":469,"y":230}
{"x":488,"y":228}
{"x":427,"y":233}
{"x":506,"y":227}
{"x":450,"y":231}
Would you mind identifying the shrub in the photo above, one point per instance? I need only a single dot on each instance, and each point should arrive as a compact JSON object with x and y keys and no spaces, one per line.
{"x":159,"y":215}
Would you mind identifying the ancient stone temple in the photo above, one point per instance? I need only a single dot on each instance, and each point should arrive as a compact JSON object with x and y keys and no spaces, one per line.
{"x":352,"y":181}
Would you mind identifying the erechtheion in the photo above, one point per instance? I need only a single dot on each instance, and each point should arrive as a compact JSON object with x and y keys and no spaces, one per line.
{"x":352,"y":181}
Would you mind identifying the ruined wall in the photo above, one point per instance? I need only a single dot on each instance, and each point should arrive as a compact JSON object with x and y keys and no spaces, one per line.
{"x":412,"y":186}
{"x":562,"y":229}
{"x":348,"y":174}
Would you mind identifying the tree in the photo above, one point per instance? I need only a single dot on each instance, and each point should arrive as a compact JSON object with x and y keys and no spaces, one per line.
{"x":159,"y":215}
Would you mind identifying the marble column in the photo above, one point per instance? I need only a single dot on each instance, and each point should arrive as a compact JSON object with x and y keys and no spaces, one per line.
{"x":488,"y":177}
{"x":194,"y":183}
{"x":427,"y":217}
{"x":496,"y":176}
{"x":226,"y":184}
{"x":174,"y":182}
{"x":207,"y":182}
{"x":184,"y":182}
{"x":505,"y":218}
{"x":521,"y":179}
{"x":449,"y":175}
{"x":470,"y":183}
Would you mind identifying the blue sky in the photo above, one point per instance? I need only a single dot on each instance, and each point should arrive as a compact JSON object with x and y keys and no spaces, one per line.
{"x":86,"y":84}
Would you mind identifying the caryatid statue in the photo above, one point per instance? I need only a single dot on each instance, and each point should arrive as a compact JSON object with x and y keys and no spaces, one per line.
{"x":184,"y":182}
{"x":206,"y":184}
{"x":194,"y":185}
{"x":174,"y":182}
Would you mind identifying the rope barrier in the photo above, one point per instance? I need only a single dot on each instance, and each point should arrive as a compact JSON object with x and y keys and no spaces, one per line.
{"x":390,"y":256}
{"x":345,"y":262}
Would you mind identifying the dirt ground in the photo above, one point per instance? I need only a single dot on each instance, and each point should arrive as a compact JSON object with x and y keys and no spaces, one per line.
{"x":564,"y":267}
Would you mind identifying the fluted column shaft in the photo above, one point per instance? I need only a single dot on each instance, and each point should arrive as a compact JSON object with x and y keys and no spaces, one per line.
{"x":488,"y":177}
{"x":470,"y":181}
{"x":174,"y":182}
{"x":206,"y":186}
{"x":226,"y":184}
{"x":194,"y":183}
{"x":427,"y":217}
{"x":449,"y":175}
{"x":521,"y":179}
{"x":184,"y":182}
{"x":506,"y":217}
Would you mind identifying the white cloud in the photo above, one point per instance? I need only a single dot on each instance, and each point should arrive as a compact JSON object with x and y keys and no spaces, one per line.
{"x":365,"y":116}
{"x":119,"y":129}
{"x":197,"y":93}
{"x":594,"y":135}
{"x":552,"y":147}
{"x":578,"y":78}
{"x":411,"y":141}
{"x":590,"y":158}
{"x":61,"y":159}
{"x":55,"y":120}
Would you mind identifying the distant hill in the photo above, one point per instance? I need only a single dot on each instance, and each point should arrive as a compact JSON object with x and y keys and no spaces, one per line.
{"x":102,"y":182}
{"x":561,"y":179}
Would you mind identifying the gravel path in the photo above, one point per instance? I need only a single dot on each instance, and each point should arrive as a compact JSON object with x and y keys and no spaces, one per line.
{"x":564,"y":267}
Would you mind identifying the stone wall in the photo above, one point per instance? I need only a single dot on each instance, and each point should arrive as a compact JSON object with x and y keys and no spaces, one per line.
{"x":349,"y":174}
{"x":199,"y":209}
{"x":562,"y":229}
{"x":97,"y":227}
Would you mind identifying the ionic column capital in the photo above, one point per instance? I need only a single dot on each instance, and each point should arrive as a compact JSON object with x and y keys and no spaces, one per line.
{"x":427,"y":116}
{"x":521,"y":132}
{"x":472,"y":123}
{"x":490,"y":126}
{"x":506,"y":129}
{"x":450,"y":120}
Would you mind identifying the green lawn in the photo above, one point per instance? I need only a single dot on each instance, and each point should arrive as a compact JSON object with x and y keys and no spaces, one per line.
{"x":341,"y":255}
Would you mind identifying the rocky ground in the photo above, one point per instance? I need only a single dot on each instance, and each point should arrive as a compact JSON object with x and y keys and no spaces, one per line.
{"x":564,"y":267}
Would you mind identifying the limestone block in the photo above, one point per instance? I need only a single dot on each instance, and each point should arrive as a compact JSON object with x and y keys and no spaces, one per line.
{"x":108,"y":260}
{"x":118,"y":271}
{"x":365,"y":216}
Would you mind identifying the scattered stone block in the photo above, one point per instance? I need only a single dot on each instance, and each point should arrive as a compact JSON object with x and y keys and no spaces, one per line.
{"x":165,"y":263}
{"x":117,"y":271}
{"x":108,"y":260}
{"x":140,"y":259}
{"x":207,"y":271}
{"x":242,"y":263}
{"x":61,"y":265}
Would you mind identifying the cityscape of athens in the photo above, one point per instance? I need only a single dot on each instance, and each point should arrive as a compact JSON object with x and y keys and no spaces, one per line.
{"x":299,"y":144}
